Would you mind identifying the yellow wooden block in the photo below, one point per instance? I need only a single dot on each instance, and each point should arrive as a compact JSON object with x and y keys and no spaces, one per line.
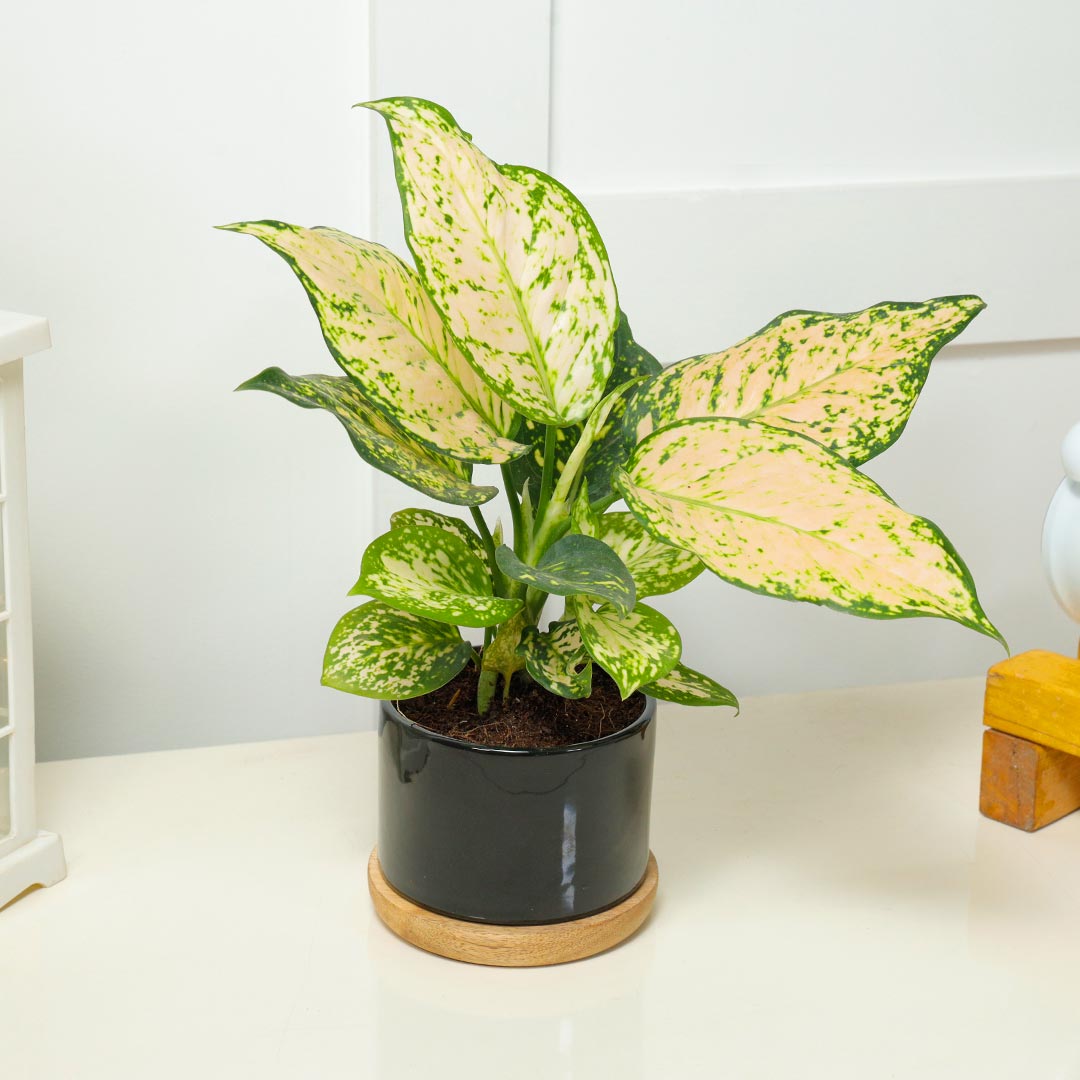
{"x":1036,"y":696}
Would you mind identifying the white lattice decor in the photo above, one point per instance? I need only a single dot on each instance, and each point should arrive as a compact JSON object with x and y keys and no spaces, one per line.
{"x":27,"y":856}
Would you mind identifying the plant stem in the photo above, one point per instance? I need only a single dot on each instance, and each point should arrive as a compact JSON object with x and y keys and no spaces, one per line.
{"x":485,"y":690}
{"x":489,"y":544}
{"x":547,"y":482}
{"x":515,"y":510}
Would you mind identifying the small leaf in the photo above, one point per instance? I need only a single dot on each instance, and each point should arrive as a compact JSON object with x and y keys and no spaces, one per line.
{"x":688,"y":687}
{"x":432,"y":573}
{"x":775,"y":512}
{"x":382,"y":328}
{"x":378,"y":652}
{"x":655,"y":566}
{"x":416,"y":516}
{"x":511,"y":259}
{"x":636,"y":650}
{"x":583,"y":519}
{"x":558,"y":660}
{"x":574,"y":564}
{"x":375,"y":438}
{"x":848,"y":382}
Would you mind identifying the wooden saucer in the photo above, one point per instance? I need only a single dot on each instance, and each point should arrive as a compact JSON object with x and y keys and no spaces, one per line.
{"x":511,"y":946}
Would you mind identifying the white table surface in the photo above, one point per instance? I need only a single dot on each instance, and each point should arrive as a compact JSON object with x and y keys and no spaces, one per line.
{"x":831,"y":905}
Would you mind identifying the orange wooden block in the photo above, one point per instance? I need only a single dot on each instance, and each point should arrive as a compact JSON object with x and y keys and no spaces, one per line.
{"x":1036,"y":696}
{"x":1027,"y":785}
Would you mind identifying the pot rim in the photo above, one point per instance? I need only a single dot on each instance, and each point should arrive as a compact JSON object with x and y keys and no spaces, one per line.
{"x":631,"y":729}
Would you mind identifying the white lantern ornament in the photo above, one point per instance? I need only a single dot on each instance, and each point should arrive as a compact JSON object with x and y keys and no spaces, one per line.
{"x":27,"y":857}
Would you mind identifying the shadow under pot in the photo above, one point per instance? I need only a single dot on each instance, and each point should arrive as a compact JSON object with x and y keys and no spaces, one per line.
{"x":514,"y":837}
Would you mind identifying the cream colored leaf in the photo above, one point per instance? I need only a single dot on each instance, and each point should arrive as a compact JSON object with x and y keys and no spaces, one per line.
{"x":382,"y":328}
{"x":512,"y":260}
{"x":775,"y":512}
{"x":847,"y":381}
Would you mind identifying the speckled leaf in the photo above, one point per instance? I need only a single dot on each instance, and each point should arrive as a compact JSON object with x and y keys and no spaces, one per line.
{"x":685,"y":686}
{"x":575,"y":564}
{"x":378,"y":652}
{"x":847,"y":381}
{"x":614,"y":442}
{"x":775,"y":512}
{"x":635,"y":650}
{"x":375,"y":438}
{"x":511,"y":259}
{"x":655,"y":566}
{"x":558,"y":660}
{"x":430,"y":572}
{"x":416,"y":516}
{"x":382,"y":328}
{"x":583,"y":518}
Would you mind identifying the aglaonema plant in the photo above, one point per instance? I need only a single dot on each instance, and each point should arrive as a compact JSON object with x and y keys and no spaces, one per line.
{"x":504,"y":345}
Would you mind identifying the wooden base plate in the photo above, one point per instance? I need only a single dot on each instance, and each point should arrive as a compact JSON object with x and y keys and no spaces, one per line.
{"x":511,"y":946}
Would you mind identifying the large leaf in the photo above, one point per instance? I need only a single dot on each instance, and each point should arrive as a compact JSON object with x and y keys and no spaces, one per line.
{"x":375,"y":438}
{"x":511,"y":259}
{"x":382,"y":328}
{"x":685,"y":686}
{"x":847,"y":381}
{"x":558,"y":660}
{"x":655,"y":566}
{"x":774,"y":512}
{"x":378,"y":652}
{"x":634,"y":650}
{"x":399,"y":519}
{"x":614,"y":442}
{"x":430,"y":572}
{"x":575,"y":564}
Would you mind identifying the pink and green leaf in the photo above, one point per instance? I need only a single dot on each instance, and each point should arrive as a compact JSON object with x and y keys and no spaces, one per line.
{"x":772,"y":511}
{"x":847,"y":381}
{"x":512,"y":261}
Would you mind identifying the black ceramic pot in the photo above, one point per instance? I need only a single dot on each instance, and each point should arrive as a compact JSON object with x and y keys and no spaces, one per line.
{"x":514,"y":836}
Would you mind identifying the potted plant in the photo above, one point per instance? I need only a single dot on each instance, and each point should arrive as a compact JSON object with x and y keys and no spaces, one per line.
{"x":515,"y":773}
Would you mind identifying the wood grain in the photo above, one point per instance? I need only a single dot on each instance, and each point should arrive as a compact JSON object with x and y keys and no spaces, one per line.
{"x":1036,"y":696}
{"x":511,"y":946}
{"x":1026,"y":785}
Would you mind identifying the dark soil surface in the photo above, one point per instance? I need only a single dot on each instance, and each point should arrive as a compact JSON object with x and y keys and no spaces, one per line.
{"x":533,"y":718}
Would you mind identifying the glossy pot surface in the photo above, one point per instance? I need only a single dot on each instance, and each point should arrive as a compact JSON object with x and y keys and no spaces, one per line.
{"x":514,"y":836}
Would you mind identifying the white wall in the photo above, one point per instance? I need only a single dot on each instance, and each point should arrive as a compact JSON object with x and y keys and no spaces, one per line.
{"x":191,"y":547}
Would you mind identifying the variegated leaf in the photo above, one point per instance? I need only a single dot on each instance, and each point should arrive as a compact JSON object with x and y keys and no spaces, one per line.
{"x":655,"y":566}
{"x":775,"y":512}
{"x":685,"y":686}
{"x":416,"y":516}
{"x":575,"y":564}
{"x":634,"y":650}
{"x":378,"y":652}
{"x":847,"y":381}
{"x":375,"y":438}
{"x":382,"y":328}
{"x":557,"y":660}
{"x":614,"y":442}
{"x":432,"y":573}
{"x":512,"y":260}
